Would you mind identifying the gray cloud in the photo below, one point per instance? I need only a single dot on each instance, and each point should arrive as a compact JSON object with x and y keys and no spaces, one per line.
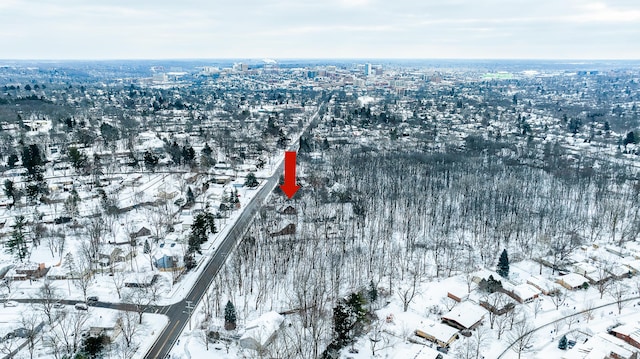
{"x":319,"y":29}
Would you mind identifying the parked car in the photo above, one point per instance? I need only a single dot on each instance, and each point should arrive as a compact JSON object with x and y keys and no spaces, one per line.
{"x":58,"y":305}
{"x":92,"y":300}
{"x":81,"y":306}
{"x":10,"y":303}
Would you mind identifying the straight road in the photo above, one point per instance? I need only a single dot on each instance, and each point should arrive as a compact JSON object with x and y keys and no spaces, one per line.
{"x":178,"y":313}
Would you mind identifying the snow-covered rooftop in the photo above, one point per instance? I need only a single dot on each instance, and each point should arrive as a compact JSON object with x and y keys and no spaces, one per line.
{"x":466,"y":314}
{"x":259,"y":332}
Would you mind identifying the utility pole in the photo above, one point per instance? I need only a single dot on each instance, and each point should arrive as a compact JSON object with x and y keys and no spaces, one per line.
{"x":189,"y":308}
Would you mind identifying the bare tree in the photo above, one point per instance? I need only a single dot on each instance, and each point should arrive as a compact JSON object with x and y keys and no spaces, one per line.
{"x":495,"y":303}
{"x":123,"y":351}
{"x":32,"y":324}
{"x":501,"y":325}
{"x":95,"y":230}
{"x":619,"y":292}
{"x":558,"y":325}
{"x":559,"y":297}
{"x":407,"y":293}
{"x":536,"y":307}
{"x":68,"y":330}
{"x":376,"y":339}
{"x":83,"y":270}
{"x":118,"y":277}
{"x":143,"y":298}
{"x":604,"y":280}
{"x":521,"y":338}
{"x":569,"y":318}
{"x":48,"y":297}
{"x":480,"y":338}
{"x":129,"y":328}
{"x":587,"y":313}
{"x":8,"y":346}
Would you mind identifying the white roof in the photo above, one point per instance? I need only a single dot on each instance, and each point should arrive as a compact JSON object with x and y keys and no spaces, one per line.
{"x":466,"y":314}
{"x":600,"y":346}
{"x":633,"y":264}
{"x":630,"y":330}
{"x":541,"y":282}
{"x":259,"y":331}
{"x":584,"y":267}
{"x":526,"y":291}
{"x":439,"y":331}
{"x":573,"y":279}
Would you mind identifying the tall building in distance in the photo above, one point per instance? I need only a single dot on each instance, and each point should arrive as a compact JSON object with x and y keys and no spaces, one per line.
{"x":368,"y":69}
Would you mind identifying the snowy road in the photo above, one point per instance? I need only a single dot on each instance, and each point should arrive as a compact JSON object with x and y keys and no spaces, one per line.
{"x":177,"y":313}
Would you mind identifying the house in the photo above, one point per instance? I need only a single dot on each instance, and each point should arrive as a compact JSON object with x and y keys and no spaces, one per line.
{"x":142,"y":232}
{"x":602,"y":345}
{"x":260,"y":333}
{"x":632,"y":264}
{"x":57,"y":273}
{"x":619,"y":271}
{"x":465,"y":315}
{"x":289,"y":210}
{"x":287,"y":230}
{"x":572,"y":281}
{"x":525,"y":293}
{"x":458,"y":294}
{"x":542,"y":284}
{"x":110,"y":254}
{"x":141,"y":280}
{"x":630,"y":333}
{"x":441,"y":334}
{"x":586,"y":270}
{"x":168,"y":257}
{"x":187,"y":222}
{"x":25,"y":271}
{"x":108,"y":324}
{"x":497,"y":303}
{"x":478,"y":276}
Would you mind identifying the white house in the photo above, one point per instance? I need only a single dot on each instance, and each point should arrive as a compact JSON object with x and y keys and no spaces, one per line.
{"x":260,"y":332}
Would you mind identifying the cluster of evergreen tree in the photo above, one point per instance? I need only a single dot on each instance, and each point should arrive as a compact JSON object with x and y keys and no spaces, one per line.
{"x":350,"y":317}
{"x":203,"y":225}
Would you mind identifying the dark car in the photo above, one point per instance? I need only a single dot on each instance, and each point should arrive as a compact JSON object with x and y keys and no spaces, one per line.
{"x":92,"y":300}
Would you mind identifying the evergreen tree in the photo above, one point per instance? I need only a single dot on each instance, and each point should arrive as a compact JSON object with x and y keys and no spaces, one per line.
{"x":188,"y":154}
{"x":503,"y":264}
{"x":191,"y":198}
{"x":373,"y":292}
{"x":17,"y":244}
{"x":563,"y":343}
{"x":109,"y":133}
{"x":10,"y":191}
{"x":13,"y":159}
{"x":203,"y":224}
{"x":251,"y":180}
{"x":229,"y":316}
{"x":147,"y":247}
{"x":348,"y":318}
{"x":342,"y":323}
{"x":78,"y":159}
{"x":150,"y":160}
{"x":207,"y":150}
{"x":630,"y":139}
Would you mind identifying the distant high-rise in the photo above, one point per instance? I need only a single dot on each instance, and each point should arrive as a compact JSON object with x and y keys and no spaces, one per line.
{"x":368,"y":70}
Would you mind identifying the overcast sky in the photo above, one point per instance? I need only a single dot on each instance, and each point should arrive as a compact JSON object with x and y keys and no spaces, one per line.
{"x":160,"y":29}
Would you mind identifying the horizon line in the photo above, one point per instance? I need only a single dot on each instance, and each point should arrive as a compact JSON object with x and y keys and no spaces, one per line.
{"x":321,"y":59}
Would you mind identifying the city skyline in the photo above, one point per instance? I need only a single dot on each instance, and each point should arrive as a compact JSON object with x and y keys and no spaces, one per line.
{"x":194,"y":29}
